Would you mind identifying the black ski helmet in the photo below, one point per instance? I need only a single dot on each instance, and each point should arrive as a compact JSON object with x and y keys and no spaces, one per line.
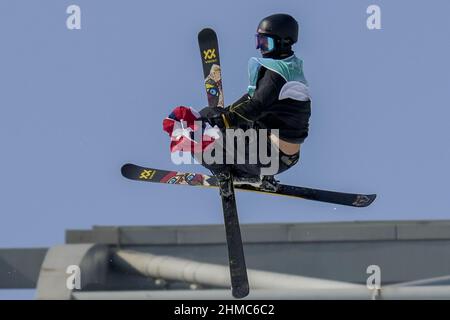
{"x":283,"y":27}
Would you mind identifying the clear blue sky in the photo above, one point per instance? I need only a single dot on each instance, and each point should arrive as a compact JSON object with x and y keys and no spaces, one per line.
{"x":76,"y":105}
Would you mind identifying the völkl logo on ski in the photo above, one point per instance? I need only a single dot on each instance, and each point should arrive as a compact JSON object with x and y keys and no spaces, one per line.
{"x":147,"y":174}
{"x":209,"y":54}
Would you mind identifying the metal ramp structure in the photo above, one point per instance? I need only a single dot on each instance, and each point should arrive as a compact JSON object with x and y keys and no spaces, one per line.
{"x":286,"y":261}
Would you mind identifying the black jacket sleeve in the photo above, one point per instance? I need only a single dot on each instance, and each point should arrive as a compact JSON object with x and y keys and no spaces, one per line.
{"x":267,"y":91}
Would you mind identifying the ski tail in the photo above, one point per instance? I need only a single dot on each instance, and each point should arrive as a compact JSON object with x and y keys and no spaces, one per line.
{"x":334,"y":197}
{"x":236,"y":257}
{"x":346,"y":199}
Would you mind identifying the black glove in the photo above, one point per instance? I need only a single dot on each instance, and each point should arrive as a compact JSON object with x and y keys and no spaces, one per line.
{"x":217,"y":116}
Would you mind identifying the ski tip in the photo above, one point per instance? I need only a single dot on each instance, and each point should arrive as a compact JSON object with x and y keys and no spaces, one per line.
{"x":240,"y":292}
{"x":364,"y":200}
{"x":125,"y":168}
{"x":207,"y":32}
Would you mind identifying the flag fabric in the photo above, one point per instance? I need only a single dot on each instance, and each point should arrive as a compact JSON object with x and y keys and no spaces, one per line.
{"x":182,"y":125}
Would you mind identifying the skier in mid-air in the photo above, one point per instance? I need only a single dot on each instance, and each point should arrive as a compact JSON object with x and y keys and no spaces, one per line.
{"x":277,"y":98}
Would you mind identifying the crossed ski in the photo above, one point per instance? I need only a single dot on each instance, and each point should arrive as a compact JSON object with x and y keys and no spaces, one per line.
{"x":145,"y":174}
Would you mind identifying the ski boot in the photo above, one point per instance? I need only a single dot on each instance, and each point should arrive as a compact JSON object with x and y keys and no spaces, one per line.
{"x":254,"y":181}
{"x":225,"y":183}
{"x":266,"y":183}
{"x":269,"y":183}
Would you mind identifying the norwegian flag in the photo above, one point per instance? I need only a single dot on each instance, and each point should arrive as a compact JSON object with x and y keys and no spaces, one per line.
{"x":181,"y":124}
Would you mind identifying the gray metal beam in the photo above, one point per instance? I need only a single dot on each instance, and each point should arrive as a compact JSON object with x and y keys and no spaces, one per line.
{"x":400,"y":261}
{"x":262,"y":233}
{"x":194,"y":272}
{"x":19,"y":268}
{"x":388,"y":293}
{"x":342,"y":251}
{"x":92,"y":259}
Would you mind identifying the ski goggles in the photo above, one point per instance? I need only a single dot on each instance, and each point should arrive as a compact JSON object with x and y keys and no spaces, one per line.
{"x":264,"y":42}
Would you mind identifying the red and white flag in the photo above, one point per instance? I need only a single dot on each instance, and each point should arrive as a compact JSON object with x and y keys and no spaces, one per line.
{"x":181,"y":124}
